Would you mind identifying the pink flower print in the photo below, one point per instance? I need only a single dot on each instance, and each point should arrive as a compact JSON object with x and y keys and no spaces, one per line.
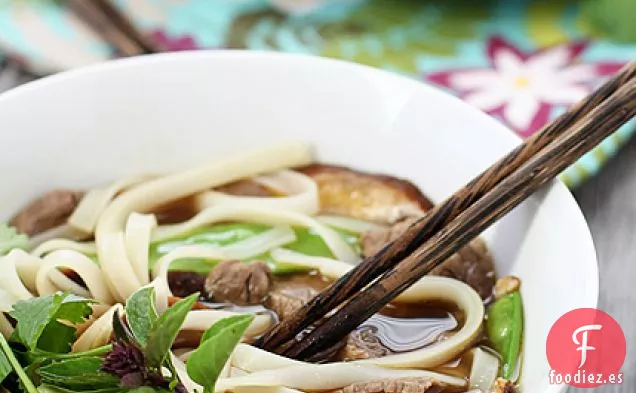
{"x":523,"y":88}
{"x":184,"y":42}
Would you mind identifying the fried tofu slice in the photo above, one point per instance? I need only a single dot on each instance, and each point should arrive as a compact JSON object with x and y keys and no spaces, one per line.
{"x":366,"y":196}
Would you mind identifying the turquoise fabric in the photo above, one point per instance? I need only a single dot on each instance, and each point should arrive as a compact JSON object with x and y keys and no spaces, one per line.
{"x":522,"y":61}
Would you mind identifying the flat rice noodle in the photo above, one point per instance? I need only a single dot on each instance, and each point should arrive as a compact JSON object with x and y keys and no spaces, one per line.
{"x":427,"y":288}
{"x":93,"y":204}
{"x":98,"y":311}
{"x":328,"y":267}
{"x":139,"y":228}
{"x":65,"y":284}
{"x":299,"y":190}
{"x":265,"y":389}
{"x":88,"y":271}
{"x":261,"y":243}
{"x":5,"y":326}
{"x":320,"y":377}
{"x":99,"y":332}
{"x":63,"y":231}
{"x":109,"y":238}
{"x":27,"y":267}
{"x":12,"y":288}
{"x":444,"y":289}
{"x":160,"y":270}
{"x":484,"y":370}
{"x":201,"y":320}
{"x":349,"y":224}
{"x":64,"y":244}
{"x":182,"y":373}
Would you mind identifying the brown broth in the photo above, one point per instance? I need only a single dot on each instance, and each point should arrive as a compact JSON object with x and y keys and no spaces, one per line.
{"x":400,"y":327}
{"x":184,"y":209}
{"x":459,"y":367}
{"x":405,"y":327}
{"x":313,"y":280}
{"x":247,"y":187}
{"x":177,"y":211}
{"x":187,"y":339}
{"x":430,"y":308}
{"x":183,"y":284}
{"x":73,"y":276}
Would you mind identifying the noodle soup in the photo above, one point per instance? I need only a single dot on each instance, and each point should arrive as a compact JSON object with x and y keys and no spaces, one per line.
{"x":165,"y":282}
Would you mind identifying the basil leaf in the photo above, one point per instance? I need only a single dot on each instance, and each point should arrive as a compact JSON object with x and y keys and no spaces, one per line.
{"x":82,"y":373}
{"x":147,"y":389}
{"x":11,"y":239}
{"x":37,"y":325}
{"x":74,"y":309}
{"x":32,"y":317}
{"x":8,"y":354}
{"x":39,"y":355}
{"x":56,"y":337}
{"x":223,"y":324}
{"x":217,"y":343}
{"x":5,"y":367}
{"x":121,"y":329}
{"x":165,"y":329}
{"x":141,"y":313}
{"x":45,"y":388}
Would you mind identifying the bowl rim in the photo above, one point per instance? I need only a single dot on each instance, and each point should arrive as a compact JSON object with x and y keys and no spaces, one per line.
{"x":256,"y":55}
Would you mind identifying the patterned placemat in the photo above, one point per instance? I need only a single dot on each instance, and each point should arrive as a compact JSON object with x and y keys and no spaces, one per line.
{"x":521,"y":61}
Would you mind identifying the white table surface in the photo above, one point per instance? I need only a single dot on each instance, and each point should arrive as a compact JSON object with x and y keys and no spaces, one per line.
{"x":609,"y":204}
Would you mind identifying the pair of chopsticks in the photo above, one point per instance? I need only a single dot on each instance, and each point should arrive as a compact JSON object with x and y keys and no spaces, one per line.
{"x":105,"y":20}
{"x":113,"y":27}
{"x":452,"y":224}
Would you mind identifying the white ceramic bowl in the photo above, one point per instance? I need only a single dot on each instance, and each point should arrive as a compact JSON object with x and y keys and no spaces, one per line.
{"x":164,"y":112}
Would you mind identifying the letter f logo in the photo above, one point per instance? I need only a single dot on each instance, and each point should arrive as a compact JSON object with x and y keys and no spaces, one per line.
{"x":583,"y":344}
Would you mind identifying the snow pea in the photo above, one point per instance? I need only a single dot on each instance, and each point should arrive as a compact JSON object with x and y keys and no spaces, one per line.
{"x":504,"y":326}
{"x":307,"y":242}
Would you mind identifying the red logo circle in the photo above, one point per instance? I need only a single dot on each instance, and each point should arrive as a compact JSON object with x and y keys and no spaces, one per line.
{"x":586,"y":348}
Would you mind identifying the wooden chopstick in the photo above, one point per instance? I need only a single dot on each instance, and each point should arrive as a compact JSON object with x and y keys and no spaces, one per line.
{"x":113,"y":27}
{"x":440,"y":216}
{"x":586,"y":133}
{"x":127,"y":27}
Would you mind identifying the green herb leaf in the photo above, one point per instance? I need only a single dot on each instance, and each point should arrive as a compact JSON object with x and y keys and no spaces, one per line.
{"x":33,"y":315}
{"x":217,"y":343}
{"x":39,"y":354}
{"x":45,"y":388}
{"x":226,"y":324}
{"x":74,"y":309}
{"x":147,"y":389}
{"x":165,"y":329}
{"x":83,"y":374}
{"x":10,"y":239}
{"x":121,"y":330}
{"x":141,"y":313}
{"x":37,"y":321}
{"x":5,"y":367}
{"x":56,"y":337}
{"x":8,"y":354}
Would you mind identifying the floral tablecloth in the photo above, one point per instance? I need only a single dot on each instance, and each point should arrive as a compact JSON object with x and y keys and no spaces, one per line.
{"x":522,"y":61}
